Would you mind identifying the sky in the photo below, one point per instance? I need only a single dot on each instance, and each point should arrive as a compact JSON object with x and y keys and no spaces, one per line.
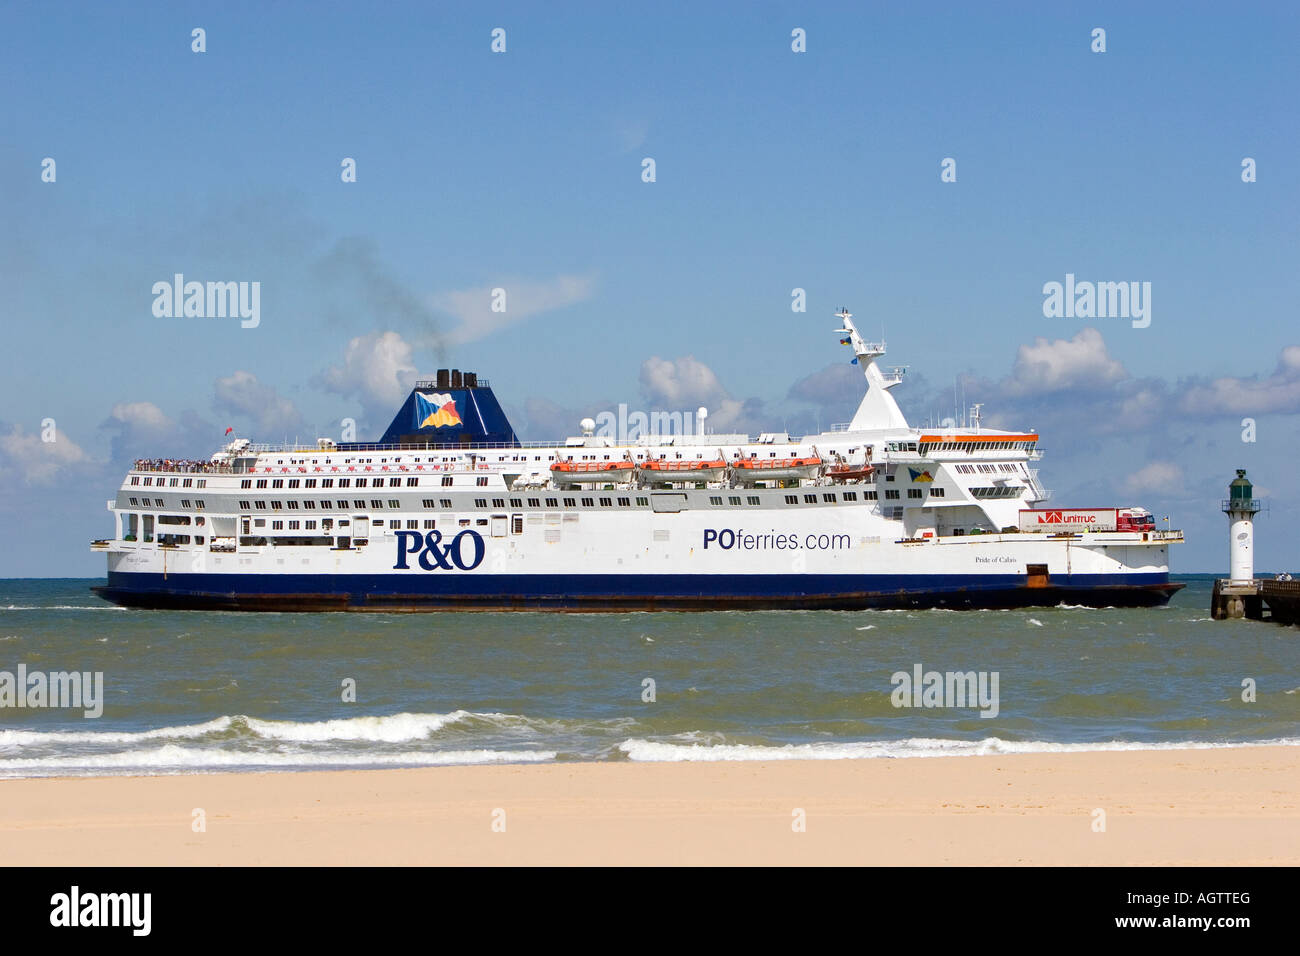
{"x":524,"y":170}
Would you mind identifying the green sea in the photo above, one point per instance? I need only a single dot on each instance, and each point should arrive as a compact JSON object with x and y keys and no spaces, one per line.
{"x":193,"y":691}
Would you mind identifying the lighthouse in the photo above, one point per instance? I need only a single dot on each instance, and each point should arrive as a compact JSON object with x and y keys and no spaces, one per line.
{"x":1241,"y":507}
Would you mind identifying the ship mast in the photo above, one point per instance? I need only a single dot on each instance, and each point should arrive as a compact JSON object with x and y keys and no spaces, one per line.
{"x":878,"y":409}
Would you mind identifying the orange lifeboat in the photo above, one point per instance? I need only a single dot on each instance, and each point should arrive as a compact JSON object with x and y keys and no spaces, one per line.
{"x":684,"y":469}
{"x":843,"y":471}
{"x":772,"y":469}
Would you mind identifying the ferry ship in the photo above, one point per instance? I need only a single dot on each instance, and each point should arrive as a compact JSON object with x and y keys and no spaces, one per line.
{"x":450,"y":510}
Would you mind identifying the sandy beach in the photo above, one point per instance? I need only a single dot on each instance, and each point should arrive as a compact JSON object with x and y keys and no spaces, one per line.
{"x":1222,"y":807}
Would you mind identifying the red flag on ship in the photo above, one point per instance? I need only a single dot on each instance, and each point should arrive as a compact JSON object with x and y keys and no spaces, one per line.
{"x":229,"y":430}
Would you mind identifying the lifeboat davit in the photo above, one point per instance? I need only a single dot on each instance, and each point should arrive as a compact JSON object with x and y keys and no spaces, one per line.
{"x":592,"y":472}
{"x":773,"y":469}
{"x":684,"y":469}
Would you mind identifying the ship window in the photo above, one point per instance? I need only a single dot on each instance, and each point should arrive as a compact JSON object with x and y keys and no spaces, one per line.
{"x":412,"y":482}
{"x":733,"y":499}
{"x":936,"y":493}
{"x":376,"y":504}
{"x":516,"y":502}
{"x":135,"y":501}
{"x":850,"y":496}
{"x":345,"y":482}
{"x":792,"y":499}
{"x":293,"y":506}
{"x":481,"y":482}
{"x":394,"y":524}
{"x":260,"y":504}
{"x":715,"y":499}
{"x":277,"y":525}
{"x":135,"y":480}
{"x":172,"y":483}
{"x":891,"y":493}
{"x":445,"y":502}
{"x":246,"y":483}
{"x":914,"y":492}
{"x":430,"y":523}
{"x":753,"y":499}
{"x":327,"y":483}
{"x":642,"y":502}
{"x":185,"y":502}
{"x":446,"y":481}
{"x":427,"y":502}
{"x":201,"y":483}
{"x":198,"y":504}
{"x":868,"y":496}
{"x":277,"y":505}
{"x":624,"y":502}
{"x":261,"y":482}
{"x":244,"y":506}
{"x":830,"y":498}
{"x":394,"y":482}
{"x":552,"y":502}
{"x":358,"y":503}
{"x":889,"y":477}
{"x":393,"y":503}
{"x":811,"y":499}
{"x":534,"y":502}
{"x":309,"y":483}
{"x":362,"y":482}
{"x":294,"y":483}
{"x":606,"y":502}
{"x":341,"y":505}
{"x":464,"y":522}
{"x":498,"y":502}
{"x":412,"y":524}
{"x":481,"y":522}
{"x":588,"y":502}
{"x":570,"y":502}
{"x":480,"y":502}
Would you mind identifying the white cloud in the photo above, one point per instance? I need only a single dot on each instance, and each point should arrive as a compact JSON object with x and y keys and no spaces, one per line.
{"x":686,"y":383}
{"x":1159,"y":477}
{"x":140,"y":415}
{"x":377,"y":368}
{"x":1279,"y":392}
{"x":472,"y":308}
{"x":1061,"y":364}
{"x":242,"y":394}
{"x":35,"y":459}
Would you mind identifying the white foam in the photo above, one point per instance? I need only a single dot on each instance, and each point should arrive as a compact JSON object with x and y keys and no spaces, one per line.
{"x":36,"y":737}
{"x":393,"y":728}
{"x":651,"y":750}
{"x":176,"y":758}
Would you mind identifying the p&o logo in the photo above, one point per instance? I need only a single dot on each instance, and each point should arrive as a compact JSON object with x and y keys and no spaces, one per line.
{"x":465,"y":551}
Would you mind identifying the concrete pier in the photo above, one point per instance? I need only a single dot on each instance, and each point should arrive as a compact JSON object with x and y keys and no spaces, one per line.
{"x":1256,"y":600}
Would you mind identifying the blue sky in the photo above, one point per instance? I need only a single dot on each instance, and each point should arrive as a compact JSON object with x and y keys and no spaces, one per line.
{"x":775,"y":170}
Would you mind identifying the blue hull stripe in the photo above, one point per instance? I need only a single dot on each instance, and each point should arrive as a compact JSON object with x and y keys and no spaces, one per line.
{"x":421,"y":589}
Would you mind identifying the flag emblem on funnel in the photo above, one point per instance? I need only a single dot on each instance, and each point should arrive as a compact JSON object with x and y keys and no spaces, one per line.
{"x":435,"y":411}
{"x":920,"y":475}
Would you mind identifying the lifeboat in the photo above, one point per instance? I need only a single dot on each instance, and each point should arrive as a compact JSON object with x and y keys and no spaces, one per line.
{"x":592,"y":472}
{"x":773,"y":469}
{"x":844,"y":471}
{"x":684,"y":469}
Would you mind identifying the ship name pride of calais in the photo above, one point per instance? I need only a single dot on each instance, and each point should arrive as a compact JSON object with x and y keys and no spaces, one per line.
{"x":450,"y":510}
